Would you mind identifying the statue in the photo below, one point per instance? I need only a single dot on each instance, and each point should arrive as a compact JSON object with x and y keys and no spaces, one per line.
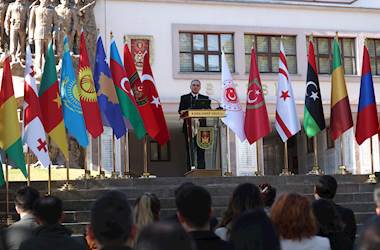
{"x":15,"y":28}
{"x":43,"y":22}
{"x":3,"y":10}
{"x":68,"y":23}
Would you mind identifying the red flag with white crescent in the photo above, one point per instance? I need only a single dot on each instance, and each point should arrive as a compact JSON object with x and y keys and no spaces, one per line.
{"x":256,"y":124}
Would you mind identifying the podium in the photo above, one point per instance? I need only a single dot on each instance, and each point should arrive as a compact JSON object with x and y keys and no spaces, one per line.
{"x":203,"y":131}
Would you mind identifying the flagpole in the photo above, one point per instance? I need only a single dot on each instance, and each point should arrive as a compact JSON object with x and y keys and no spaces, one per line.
{"x":316,"y":170}
{"x":8,"y":216}
{"x":146,"y":174}
{"x":100,"y":162}
{"x":113,"y":174}
{"x":372,"y":177}
{"x":127,"y":171}
{"x":228,"y":172}
{"x":259,"y":171}
{"x":28,"y":166}
{"x":285,"y":171}
{"x":342,"y":168}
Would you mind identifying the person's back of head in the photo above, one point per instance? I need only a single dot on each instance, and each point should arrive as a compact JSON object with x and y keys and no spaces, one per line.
{"x":245,"y":197}
{"x":370,"y":238}
{"x":25,"y":198}
{"x":147,"y":209}
{"x":293,"y":217}
{"x":111,"y":222}
{"x":164,"y":236}
{"x":48,"y":210}
{"x":268,"y":194}
{"x":326,"y":187}
{"x":327,"y":217}
{"x":180,"y":188}
{"x":254,"y":230}
{"x":194,"y":208}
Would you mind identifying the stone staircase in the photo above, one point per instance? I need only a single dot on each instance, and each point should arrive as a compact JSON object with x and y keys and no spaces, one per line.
{"x":353,"y":192}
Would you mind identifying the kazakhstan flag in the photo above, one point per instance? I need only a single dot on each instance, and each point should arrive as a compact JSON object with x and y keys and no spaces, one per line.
{"x":72,"y":110}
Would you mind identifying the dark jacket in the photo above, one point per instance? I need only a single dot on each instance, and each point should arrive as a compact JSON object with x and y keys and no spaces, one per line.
{"x":51,"y":237}
{"x":207,"y":240}
{"x":116,"y":248}
{"x":338,"y":240}
{"x":187,"y":101}
{"x":20,"y":231}
{"x":348,"y":218}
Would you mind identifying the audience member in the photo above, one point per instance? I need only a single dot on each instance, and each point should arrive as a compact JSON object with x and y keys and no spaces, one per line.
{"x":50,"y":235}
{"x":330,"y":224}
{"x":146,"y":210}
{"x":268,"y":196}
{"x":254,"y":231}
{"x":194,"y":211}
{"x":295,"y":222}
{"x":376,"y":198}
{"x":23,"y":229}
{"x":164,"y":236}
{"x":111,"y":222}
{"x":245,"y":197}
{"x":326,"y":188}
{"x":370,"y":238}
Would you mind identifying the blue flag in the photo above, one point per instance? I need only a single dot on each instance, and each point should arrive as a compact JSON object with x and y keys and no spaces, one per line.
{"x":72,"y":110}
{"x":107,"y":98}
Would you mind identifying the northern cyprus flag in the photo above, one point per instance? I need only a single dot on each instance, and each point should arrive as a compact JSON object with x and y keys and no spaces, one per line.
{"x":230,"y":102}
{"x":287,"y":122}
{"x":34,"y":133}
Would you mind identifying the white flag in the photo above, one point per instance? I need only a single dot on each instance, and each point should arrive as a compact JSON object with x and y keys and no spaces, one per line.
{"x":287,"y":122}
{"x":34,"y":134}
{"x":230,"y":102}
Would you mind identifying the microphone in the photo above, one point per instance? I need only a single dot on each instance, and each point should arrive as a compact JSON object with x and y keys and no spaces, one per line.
{"x":217,"y":101}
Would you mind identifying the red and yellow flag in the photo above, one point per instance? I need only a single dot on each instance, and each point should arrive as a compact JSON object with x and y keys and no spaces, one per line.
{"x":51,"y":113}
{"x":341,"y":117}
{"x":87,"y":93}
{"x":10,"y":139}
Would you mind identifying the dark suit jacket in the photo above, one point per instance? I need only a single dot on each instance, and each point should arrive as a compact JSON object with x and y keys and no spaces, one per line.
{"x":186,"y":103}
{"x":20,"y":231}
{"x":348,"y":218}
{"x":52,"y":237}
{"x":208,"y":240}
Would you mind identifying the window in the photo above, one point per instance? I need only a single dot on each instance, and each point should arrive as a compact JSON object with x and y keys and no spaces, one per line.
{"x":324,"y":54}
{"x":201,"y":52}
{"x":374,"y":53}
{"x":159,"y":152}
{"x":268,"y":50}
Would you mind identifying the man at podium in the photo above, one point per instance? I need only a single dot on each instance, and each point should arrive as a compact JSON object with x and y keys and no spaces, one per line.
{"x":194,"y":100}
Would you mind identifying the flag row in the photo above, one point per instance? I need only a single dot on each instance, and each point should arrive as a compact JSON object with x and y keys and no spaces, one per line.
{"x":254,"y":123}
{"x":113,"y":95}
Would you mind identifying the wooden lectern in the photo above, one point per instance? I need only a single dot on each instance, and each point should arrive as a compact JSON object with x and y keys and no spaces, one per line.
{"x":204,"y":141}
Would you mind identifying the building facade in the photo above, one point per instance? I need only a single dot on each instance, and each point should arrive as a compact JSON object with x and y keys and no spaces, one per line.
{"x":185,"y":41}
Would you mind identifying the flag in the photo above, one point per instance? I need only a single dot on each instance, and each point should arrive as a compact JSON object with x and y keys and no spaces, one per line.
{"x":72,"y":110}
{"x":140,"y":94}
{"x":34,"y":133}
{"x":105,"y":89}
{"x":124,"y":93}
{"x":314,"y":120}
{"x":256,"y":124}
{"x":341,"y":118}
{"x":149,"y":85}
{"x":287,"y":123}
{"x":234,"y":118}
{"x":87,"y":93}
{"x":367,"y":123}
{"x":10,"y":139}
{"x":49,"y":98}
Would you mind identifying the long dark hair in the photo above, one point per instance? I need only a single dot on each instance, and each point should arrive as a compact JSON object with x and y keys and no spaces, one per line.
{"x":245,"y":197}
{"x":254,"y":231}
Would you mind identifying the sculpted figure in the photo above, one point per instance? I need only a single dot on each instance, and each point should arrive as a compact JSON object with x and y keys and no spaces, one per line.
{"x":3,"y":10}
{"x":42,"y":29}
{"x":88,"y":24}
{"x":15,"y":28}
{"x":68,"y":22}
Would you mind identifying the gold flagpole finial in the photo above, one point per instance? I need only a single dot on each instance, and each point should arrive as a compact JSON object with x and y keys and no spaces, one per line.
{"x":366,"y":42}
{"x":336,"y":35}
{"x":111,"y":35}
{"x":311,"y":37}
{"x":125,"y":39}
{"x":253,"y":44}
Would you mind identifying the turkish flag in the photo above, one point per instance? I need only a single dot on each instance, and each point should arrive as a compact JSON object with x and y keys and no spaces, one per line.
{"x":256,"y":124}
{"x":149,"y":85}
{"x":140,"y":94}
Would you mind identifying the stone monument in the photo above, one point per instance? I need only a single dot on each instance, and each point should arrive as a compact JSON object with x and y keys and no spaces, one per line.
{"x":43,"y":23}
{"x":15,"y":28}
{"x":68,"y":24}
{"x":3,"y":10}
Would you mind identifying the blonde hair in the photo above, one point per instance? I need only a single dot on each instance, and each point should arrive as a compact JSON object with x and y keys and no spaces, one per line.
{"x":146,"y":210}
